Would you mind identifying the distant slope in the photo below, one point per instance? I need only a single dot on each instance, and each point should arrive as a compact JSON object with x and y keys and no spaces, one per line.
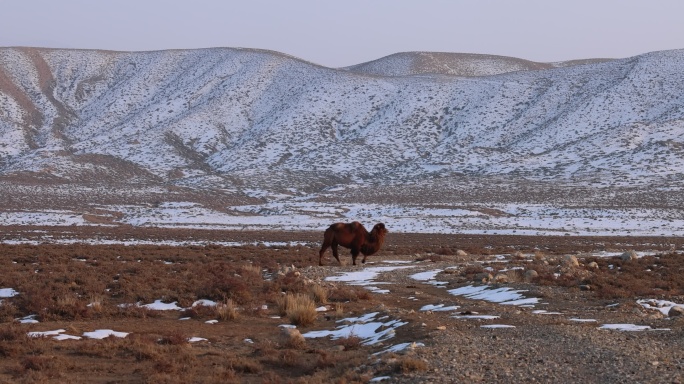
{"x":456,"y":64}
{"x":225,"y":117}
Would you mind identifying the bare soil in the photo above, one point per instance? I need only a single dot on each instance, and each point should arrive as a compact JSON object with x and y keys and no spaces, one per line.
{"x":81,"y":288}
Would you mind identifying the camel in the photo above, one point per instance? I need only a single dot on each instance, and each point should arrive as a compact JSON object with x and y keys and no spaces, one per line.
{"x":355,"y":237}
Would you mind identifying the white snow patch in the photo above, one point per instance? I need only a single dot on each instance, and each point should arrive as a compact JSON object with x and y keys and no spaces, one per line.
{"x":365,"y":277}
{"x":625,"y":327}
{"x":400,"y":347}
{"x":8,"y":292}
{"x":503,"y":295}
{"x":370,"y":332}
{"x":439,"y":308}
{"x":158,"y":305}
{"x":476,"y":317}
{"x":30,"y":319}
{"x":104,"y":333}
{"x":663,"y":306}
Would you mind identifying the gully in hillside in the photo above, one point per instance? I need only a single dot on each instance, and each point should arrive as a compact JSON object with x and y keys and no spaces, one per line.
{"x":355,"y":237}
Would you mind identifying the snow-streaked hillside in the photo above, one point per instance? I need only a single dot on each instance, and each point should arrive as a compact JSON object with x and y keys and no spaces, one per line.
{"x":226,"y":117}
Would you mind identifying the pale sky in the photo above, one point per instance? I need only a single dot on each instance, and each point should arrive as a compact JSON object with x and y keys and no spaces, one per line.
{"x":347,"y":32}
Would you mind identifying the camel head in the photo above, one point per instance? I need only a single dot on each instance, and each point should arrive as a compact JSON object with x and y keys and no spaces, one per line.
{"x":379,"y":230}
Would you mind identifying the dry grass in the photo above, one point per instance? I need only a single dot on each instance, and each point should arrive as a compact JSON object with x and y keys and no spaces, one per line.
{"x":82,"y":288}
{"x":410,"y":364}
{"x":298,"y":308}
{"x":226,"y":310}
{"x":320,"y":294}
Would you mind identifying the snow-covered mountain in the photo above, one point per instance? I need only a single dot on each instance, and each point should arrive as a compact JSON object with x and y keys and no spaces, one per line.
{"x":224,"y":117}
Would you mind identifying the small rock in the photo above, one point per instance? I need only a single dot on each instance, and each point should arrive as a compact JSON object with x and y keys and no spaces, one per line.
{"x":570,"y":261}
{"x":676,"y":311}
{"x":593,"y":265}
{"x":530,"y":275}
{"x":441,"y":328}
{"x":461,"y":253}
{"x":483,"y":277}
{"x":629,"y":255}
{"x":585,"y":287}
{"x":501,"y":278}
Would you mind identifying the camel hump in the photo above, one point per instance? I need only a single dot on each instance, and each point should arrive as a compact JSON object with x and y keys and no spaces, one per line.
{"x":336,"y":226}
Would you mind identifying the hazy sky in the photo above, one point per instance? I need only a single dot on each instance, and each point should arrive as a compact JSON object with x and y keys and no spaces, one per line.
{"x":346,"y":32}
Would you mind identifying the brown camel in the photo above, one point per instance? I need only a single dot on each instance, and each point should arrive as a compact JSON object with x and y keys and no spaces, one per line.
{"x":355,"y":237}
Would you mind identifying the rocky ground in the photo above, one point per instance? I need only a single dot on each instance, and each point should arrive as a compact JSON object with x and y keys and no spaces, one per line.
{"x":570,"y":287}
{"x":544,"y":344}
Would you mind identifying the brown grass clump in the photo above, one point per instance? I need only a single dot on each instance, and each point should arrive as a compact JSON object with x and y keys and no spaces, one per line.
{"x":410,"y":364}
{"x":347,"y":293}
{"x":298,"y":308}
{"x":226,"y":310}
{"x":350,"y":342}
{"x":319,"y":294}
{"x":250,"y":271}
{"x":174,"y":338}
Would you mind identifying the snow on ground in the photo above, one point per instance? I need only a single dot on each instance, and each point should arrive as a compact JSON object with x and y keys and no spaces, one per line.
{"x":49,"y":218}
{"x":663,"y":306}
{"x":158,"y":305}
{"x":503,"y":295}
{"x":299,"y":214}
{"x":8,"y":292}
{"x":104,"y":333}
{"x":439,"y":308}
{"x":96,"y":334}
{"x":365,"y":277}
{"x":428,"y":277}
{"x":369,"y":329}
{"x":476,"y":317}
{"x":626,"y":327}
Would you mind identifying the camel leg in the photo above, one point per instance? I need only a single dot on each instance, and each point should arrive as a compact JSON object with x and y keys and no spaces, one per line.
{"x":324,"y":247}
{"x":355,"y":254}
{"x":364,"y":259}
{"x":334,"y":251}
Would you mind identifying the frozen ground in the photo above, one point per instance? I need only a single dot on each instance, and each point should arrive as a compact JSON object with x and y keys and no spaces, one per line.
{"x":294,"y":214}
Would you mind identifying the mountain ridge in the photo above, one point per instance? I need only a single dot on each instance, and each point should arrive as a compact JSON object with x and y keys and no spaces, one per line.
{"x":229,"y":116}
{"x":455,"y":64}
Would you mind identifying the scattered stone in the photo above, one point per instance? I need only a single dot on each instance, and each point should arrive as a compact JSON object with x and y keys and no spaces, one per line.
{"x":676,"y":311}
{"x":530,"y":275}
{"x":629,"y":255}
{"x":501,"y":278}
{"x":570,"y":261}
{"x":483,"y":277}
{"x":593,"y":265}
{"x":461,"y":253}
{"x":441,"y":328}
{"x":292,"y":337}
{"x":585,"y":287}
